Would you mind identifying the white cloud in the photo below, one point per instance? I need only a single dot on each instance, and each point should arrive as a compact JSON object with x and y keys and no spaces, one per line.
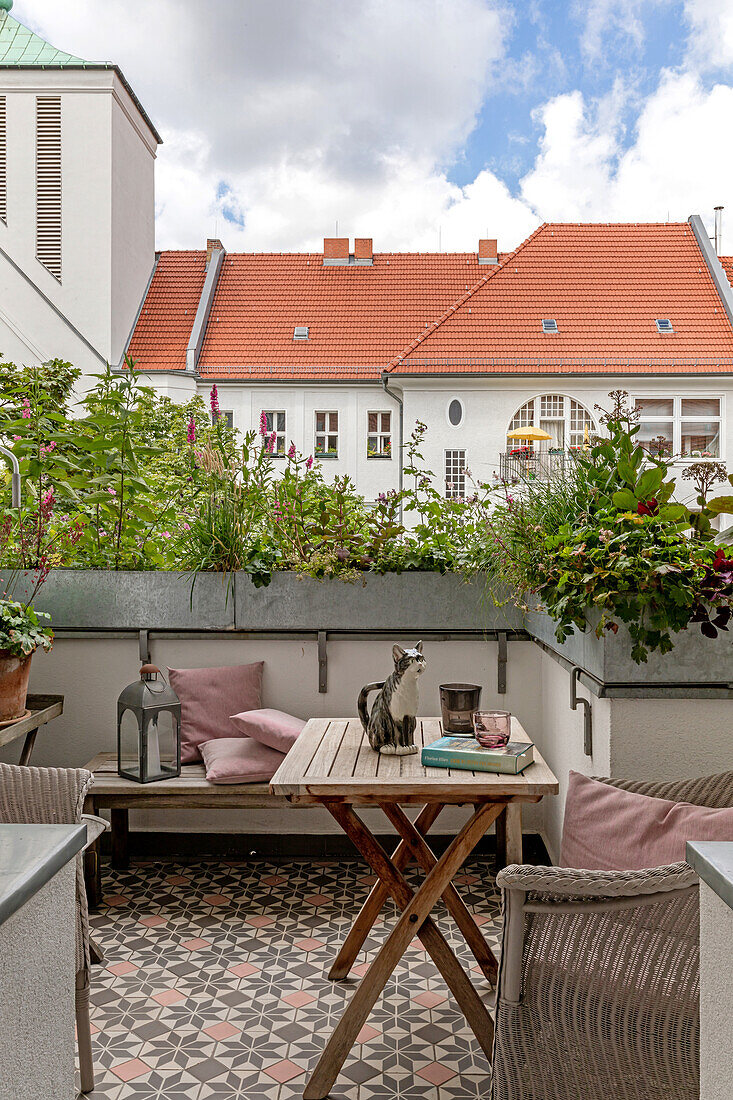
{"x":711,"y":33}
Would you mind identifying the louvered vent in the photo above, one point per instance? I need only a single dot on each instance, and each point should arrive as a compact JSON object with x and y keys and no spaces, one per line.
{"x":3,"y":162}
{"x":48,"y":183}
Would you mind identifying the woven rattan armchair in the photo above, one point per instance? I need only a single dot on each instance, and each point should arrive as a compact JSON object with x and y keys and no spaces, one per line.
{"x":55,"y":796}
{"x":597,"y":996}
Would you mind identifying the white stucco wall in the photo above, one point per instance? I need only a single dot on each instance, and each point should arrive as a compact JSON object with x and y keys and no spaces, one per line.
{"x":716,"y":996}
{"x":490,"y":403}
{"x":107,"y":214}
{"x":37,"y":964}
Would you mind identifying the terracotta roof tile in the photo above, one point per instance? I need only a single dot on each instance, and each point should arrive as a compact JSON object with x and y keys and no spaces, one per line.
{"x":605,"y":285}
{"x":164,"y":326}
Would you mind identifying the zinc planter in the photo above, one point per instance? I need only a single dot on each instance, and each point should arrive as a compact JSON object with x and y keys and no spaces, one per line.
{"x":696,"y":661}
{"x":14,"y":675}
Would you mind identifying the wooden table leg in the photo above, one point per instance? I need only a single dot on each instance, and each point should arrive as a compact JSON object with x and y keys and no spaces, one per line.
{"x":379,"y":893}
{"x":120,"y":825}
{"x":415,"y":918}
{"x":513,"y":815}
{"x":454,"y":903}
{"x":27,"y":750}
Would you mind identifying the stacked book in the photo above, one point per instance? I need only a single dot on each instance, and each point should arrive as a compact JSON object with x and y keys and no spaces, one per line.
{"x":465,"y":754}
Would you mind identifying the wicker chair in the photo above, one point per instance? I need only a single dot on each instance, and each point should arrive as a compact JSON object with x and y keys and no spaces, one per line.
{"x":52,"y":796}
{"x":597,"y":996}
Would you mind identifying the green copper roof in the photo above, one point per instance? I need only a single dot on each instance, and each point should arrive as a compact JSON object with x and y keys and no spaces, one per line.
{"x":20,"y":46}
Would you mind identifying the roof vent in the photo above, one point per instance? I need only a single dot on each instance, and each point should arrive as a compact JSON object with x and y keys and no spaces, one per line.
{"x":487,"y":252}
{"x":300,"y":332}
{"x":549,"y":324}
{"x":664,"y":325}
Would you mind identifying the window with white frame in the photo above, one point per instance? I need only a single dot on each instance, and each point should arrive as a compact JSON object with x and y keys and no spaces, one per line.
{"x":566,"y":421}
{"x":455,"y":475}
{"x":226,"y":416}
{"x":379,"y":435}
{"x":687,"y":427}
{"x":275,"y":424}
{"x":327,"y":434}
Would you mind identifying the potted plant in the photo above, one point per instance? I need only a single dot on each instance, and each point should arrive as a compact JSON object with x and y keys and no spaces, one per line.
{"x":22,"y":631}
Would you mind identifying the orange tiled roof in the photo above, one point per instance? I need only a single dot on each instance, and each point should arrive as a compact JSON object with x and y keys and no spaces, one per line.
{"x":727,"y":262}
{"x":359,"y":317}
{"x":604,"y":285}
{"x":164,"y":326}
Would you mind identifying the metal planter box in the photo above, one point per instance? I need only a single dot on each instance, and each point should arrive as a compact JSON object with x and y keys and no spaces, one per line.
{"x":695,"y":659}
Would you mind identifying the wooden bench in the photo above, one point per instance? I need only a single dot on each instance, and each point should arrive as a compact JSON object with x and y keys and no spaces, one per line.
{"x":190,"y":790}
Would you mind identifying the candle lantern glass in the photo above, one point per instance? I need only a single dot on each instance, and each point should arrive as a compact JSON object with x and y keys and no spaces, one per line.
{"x":149,"y":729}
{"x":457,"y":704}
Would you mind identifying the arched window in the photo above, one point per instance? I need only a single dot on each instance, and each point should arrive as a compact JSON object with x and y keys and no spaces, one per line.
{"x":565,"y":420}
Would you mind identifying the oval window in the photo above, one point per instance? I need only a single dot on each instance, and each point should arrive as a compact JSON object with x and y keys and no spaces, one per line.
{"x":455,"y":412}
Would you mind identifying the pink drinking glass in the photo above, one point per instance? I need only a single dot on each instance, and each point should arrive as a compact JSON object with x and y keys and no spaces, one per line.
{"x":492,"y":728}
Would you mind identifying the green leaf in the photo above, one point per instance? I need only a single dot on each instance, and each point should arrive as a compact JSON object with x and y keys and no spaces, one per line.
{"x":625,"y":500}
{"x":719,"y":505}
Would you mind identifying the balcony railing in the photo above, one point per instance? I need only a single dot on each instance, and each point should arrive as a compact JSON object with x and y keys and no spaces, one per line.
{"x":525,"y":464}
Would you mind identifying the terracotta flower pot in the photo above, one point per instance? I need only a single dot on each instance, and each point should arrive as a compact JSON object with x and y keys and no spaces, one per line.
{"x":14,"y":675}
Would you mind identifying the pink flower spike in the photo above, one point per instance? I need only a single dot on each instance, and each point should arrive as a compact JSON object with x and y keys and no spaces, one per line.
{"x":309,"y":462}
{"x":191,"y":432}
{"x":214,"y":399}
{"x":263,"y":423}
{"x":291,"y":452}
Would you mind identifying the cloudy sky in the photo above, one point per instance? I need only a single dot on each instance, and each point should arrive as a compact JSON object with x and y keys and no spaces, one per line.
{"x":418,"y":122}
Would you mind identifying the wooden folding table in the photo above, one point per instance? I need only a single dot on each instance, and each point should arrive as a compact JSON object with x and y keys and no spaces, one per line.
{"x":331,"y":763}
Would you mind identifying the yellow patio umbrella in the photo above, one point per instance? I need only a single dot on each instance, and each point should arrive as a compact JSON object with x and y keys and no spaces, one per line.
{"x":528,"y":433}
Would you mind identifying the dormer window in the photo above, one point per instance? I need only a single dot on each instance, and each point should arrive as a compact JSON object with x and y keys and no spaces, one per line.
{"x":300,"y":332}
{"x":664,"y":325}
{"x":549,"y":324}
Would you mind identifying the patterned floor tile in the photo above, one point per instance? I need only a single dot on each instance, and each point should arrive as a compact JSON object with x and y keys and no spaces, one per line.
{"x":214,"y":986}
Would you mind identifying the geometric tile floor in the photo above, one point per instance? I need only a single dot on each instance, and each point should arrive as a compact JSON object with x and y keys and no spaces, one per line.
{"x":214,"y":986}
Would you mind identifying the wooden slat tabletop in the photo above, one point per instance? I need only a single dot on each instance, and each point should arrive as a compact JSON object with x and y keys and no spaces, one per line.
{"x":42,"y":709}
{"x":332,"y":759}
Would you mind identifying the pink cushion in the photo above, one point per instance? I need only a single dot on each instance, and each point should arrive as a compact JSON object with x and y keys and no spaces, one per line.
{"x":239,"y":760}
{"x":607,"y":829}
{"x":270,"y":727}
{"x":208,"y":696}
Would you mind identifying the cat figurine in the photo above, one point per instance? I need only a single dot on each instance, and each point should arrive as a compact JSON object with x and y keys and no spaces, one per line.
{"x":391,"y":725}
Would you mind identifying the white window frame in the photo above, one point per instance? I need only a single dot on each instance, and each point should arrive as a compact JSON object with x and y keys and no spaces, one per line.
{"x":677,"y":417}
{"x":535,"y":415}
{"x":278,"y":450}
{"x":326,"y":433}
{"x":461,"y":402}
{"x":383,"y":439}
{"x":455,"y":473}
{"x":227,"y":415}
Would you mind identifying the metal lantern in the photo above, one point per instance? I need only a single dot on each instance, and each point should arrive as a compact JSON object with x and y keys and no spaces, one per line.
{"x":148,"y":729}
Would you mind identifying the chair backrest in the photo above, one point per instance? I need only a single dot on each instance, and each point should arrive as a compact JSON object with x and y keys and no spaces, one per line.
{"x":50,"y":796}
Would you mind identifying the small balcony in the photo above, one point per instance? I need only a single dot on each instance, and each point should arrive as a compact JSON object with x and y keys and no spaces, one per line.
{"x":527,"y":464}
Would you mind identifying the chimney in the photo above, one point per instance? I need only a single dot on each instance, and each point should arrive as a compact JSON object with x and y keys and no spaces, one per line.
{"x":487,"y":253}
{"x":718,"y":230}
{"x":335,"y":251}
{"x":213,"y":245}
{"x":363,"y":250}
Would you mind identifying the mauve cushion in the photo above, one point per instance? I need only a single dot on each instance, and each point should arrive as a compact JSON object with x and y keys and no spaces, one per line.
{"x":208,"y":696}
{"x":239,"y":760}
{"x":270,"y":727}
{"x":607,"y":829}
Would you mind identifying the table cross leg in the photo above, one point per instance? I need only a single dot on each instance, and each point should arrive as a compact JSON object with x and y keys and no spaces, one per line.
{"x":373,"y":905}
{"x":454,"y":903}
{"x":414,"y":918}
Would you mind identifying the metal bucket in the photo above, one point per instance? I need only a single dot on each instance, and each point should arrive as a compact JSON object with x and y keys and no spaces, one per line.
{"x":458,"y":702}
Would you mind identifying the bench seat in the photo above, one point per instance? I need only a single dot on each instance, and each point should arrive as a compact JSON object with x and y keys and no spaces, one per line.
{"x":190,"y":790}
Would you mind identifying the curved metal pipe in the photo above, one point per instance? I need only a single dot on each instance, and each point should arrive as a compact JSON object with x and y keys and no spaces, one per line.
{"x":14,"y":477}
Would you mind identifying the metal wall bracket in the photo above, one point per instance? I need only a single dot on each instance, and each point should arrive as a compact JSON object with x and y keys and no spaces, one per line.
{"x":587,"y":709}
{"x":144,"y":647}
{"x":322,"y":663}
{"x":501,"y":663}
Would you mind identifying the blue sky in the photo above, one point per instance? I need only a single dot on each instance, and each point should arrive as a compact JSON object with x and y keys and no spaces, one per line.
{"x":418,"y":122}
{"x":545,"y":59}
